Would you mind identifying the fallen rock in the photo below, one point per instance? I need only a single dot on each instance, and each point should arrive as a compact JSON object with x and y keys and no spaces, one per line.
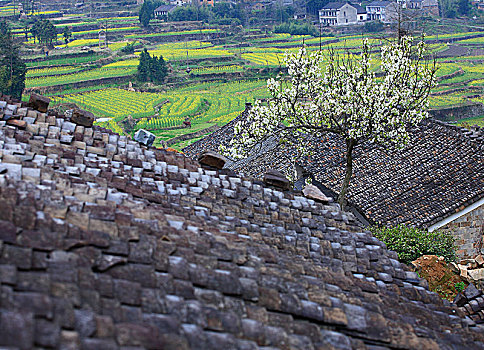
{"x":83,"y":118}
{"x":212,"y":159}
{"x":476,"y":274}
{"x":480,"y":260}
{"x":144,"y":137}
{"x":312,"y":192}
{"x":39,"y":102}
{"x":455,"y":269}
{"x":275,"y":178}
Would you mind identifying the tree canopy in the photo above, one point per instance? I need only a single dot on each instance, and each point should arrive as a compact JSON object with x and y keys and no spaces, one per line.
{"x":341,"y":94}
{"x":147,"y":12}
{"x":12,"y":68}
{"x":67,"y":34}
{"x":44,"y":31}
{"x":151,"y":68}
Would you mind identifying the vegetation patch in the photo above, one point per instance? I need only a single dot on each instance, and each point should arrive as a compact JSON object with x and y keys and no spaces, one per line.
{"x":411,"y":243}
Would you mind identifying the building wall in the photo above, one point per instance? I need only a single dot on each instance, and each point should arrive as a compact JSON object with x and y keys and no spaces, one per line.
{"x":347,"y":15}
{"x":468,"y":231}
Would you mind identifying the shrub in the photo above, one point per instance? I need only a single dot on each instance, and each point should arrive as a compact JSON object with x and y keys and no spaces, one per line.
{"x":411,"y":243}
{"x":373,"y":27}
{"x":129,"y":48}
{"x":460,"y":286}
{"x":296,"y":29}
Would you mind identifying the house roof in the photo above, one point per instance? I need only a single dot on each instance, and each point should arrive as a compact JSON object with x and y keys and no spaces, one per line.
{"x":359,"y":9}
{"x":379,"y":3}
{"x":335,"y":5}
{"x":439,"y":172}
{"x":165,"y":8}
{"x":107,"y":244}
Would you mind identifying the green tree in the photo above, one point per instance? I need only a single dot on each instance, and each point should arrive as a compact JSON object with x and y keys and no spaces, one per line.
{"x":67,"y":34}
{"x":147,"y":12}
{"x":48,"y":32}
{"x":151,"y":68}
{"x":12,"y":68}
{"x":35,"y":30}
{"x":44,"y":31}
{"x":463,"y":7}
{"x":313,"y":6}
{"x":129,"y":48}
{"x":159,"y":70}
{"x":143,"y":66}
{"x":411,"y":243}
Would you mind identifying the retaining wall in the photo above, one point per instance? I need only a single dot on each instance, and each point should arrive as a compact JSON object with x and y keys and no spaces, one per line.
{"x":458,"y":112}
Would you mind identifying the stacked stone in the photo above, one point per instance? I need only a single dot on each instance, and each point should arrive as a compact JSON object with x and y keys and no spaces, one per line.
{"x":108,"y":244}
{"x":471,"y":303}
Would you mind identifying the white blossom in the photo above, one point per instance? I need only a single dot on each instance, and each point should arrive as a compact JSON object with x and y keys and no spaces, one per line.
{"x":343,"y":95}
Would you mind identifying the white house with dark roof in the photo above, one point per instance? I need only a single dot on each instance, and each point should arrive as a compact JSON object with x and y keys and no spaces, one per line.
{"x":164,"y":10}
{"x":341,"y":13}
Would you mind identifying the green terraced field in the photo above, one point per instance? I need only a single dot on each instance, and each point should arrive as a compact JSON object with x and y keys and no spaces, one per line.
{"x":211,"y":102}
{"x":92,"y":74}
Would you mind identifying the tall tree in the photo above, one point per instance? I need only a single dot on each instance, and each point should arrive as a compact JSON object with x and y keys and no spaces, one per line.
{"x":147,"y":12}
{"x":151,"y":68}
{"x":143,"y":66}
{"x":12,"y":68}
{"x":67,"y":34}
{"x":341,"y":94}
{"x":44,"y":31}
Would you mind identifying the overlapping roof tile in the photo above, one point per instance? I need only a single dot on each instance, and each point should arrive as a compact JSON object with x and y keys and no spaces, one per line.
{"x":106,"y":244}
{"x":438,"y":173}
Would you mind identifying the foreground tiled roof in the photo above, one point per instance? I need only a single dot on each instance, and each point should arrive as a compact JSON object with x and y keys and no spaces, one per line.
{"x":105,"y":244}
{"x":439,"y":172}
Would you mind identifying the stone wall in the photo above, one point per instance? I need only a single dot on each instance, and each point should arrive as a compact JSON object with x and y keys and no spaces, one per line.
{"x":191,"y":135}
{"x":468,"y":232}
{"x":459,"y":112}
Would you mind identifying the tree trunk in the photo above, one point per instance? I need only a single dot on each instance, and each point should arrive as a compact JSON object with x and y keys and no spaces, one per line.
{"x":350,"y":144}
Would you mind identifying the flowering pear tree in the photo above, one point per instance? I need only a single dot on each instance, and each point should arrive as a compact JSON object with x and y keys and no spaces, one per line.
{"x":341,"y":94}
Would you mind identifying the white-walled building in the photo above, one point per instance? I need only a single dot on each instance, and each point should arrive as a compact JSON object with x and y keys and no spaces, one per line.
{"x":341,"y":13}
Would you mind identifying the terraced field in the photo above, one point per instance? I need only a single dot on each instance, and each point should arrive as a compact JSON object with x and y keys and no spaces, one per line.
{"x":201,"y":102}
{"x":212,"y":102}
{"x":93,"y":74}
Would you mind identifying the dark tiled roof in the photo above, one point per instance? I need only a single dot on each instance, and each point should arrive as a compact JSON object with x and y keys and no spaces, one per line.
{"x":216,"y":139}
{"x":440,"y":172}
{"x":379,"y":3}
{"x":359,"y":9}
{"x":166,"y":8}
{"x":334,"y":5}
{"x":105,"y":244}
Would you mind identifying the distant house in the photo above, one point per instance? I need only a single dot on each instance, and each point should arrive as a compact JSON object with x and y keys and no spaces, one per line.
{"x":163,"y":10}
{"x":300,"y":15}
{"x":360,"y":13}
{"x":384,"y":11}
{"x":258,"y":6}
{"x":340,"y":14}
{"x":426,"y":7}
{"x":430,"y":7}
{"x":203,"y":2}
